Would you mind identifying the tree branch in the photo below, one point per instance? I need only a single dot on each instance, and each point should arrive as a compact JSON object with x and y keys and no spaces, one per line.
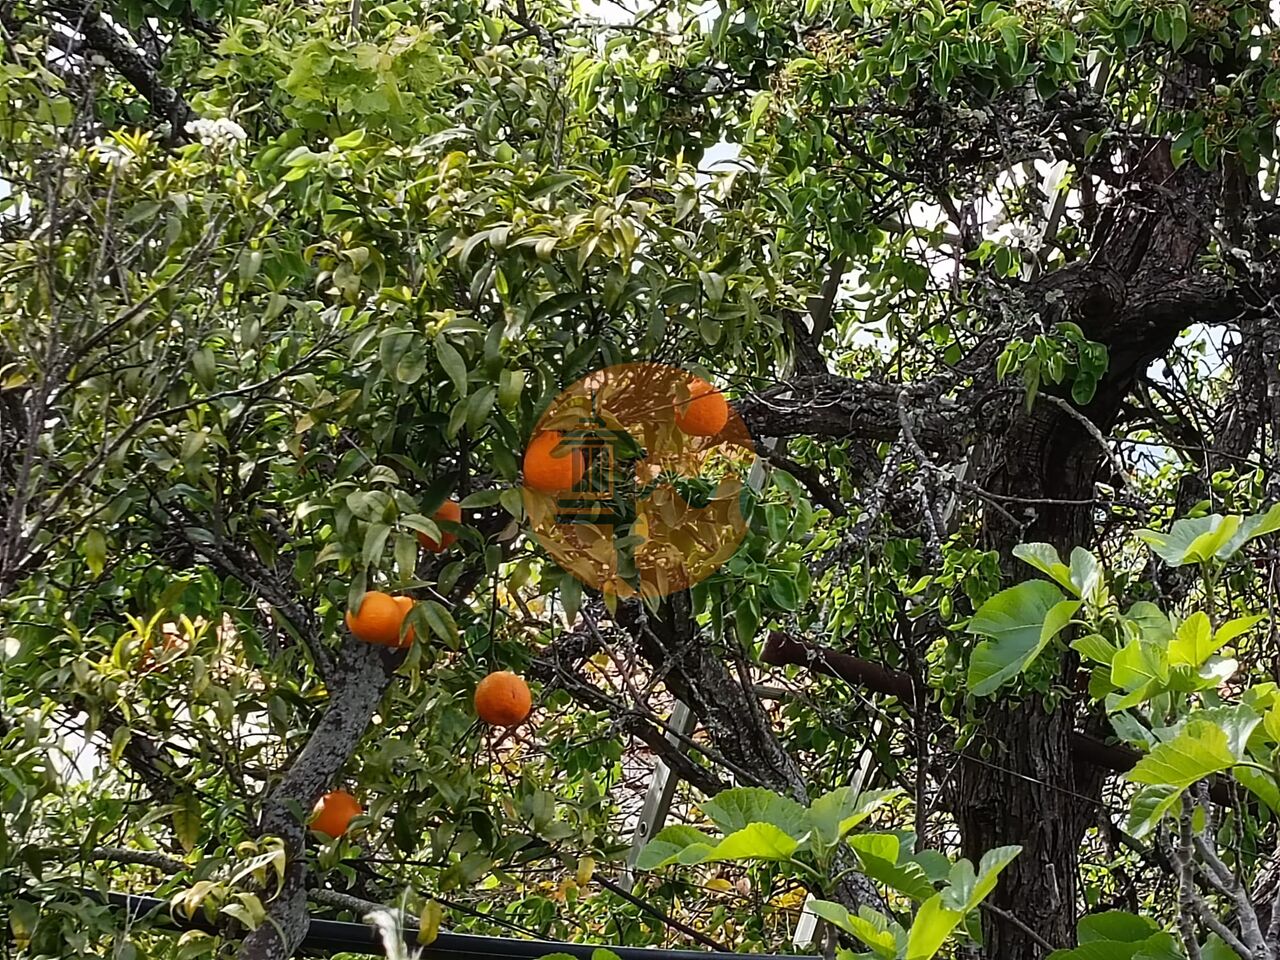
{"x":167,"y":105}
{"x":366,"y":671}
{"x":782,"y":650}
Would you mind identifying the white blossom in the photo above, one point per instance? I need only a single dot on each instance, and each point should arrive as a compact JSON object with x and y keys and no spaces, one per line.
{"x":216,"y":133}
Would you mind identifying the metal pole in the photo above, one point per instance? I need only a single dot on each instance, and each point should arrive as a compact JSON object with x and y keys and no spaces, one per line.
{"x":662,"y":790}
{"x":337,"y":936}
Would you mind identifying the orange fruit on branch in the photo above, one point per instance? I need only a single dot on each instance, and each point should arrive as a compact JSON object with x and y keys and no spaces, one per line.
{"x":503,"y":699}
{"x":334,"y":812}
{"x":380,"y":618}
{"x":706,"y":411}
{"x":547,"y":469}
{"x":450,"y":510}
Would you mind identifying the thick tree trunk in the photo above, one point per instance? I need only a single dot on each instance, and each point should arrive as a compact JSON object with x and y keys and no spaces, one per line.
{"x":1018,"y":783}
{"x":1027,"y":790}
{"x":1137,"y":294}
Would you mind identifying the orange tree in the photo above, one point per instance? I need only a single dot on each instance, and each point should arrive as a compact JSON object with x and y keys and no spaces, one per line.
{"x":281,"y":280}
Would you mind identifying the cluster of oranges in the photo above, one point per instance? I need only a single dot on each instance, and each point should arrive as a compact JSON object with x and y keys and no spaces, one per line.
{"x":704,"y":414}
{"x":502,"y":699}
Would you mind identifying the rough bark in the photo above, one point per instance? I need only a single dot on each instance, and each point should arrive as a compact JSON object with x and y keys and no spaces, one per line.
{"x":102,"y":37}
{"x":1140,"y":291}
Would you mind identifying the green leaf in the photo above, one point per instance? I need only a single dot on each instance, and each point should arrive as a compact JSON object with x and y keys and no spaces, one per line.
{"x":666,"y":846}
{"x":739,"y":807}
{"x":205,"y":367}
{"x":1235,"y":628}
{"x":1215,"y":948}
{"x":441,"y":622}
{"x":187,"y":822}
{"x":349,"y":141}
{"x":1138,"y":663}
{"x":1200,"y":749}
{"x":1160,"y":946}
{"x":1271,"y":722}
{"x":783,"y":592}
{"x":94,"y":547}
{"x":482,"y":498}
{"x":932,"y":926}
{"x":406,"y":554}
{"x":1115,"y":925}
{"x":550,"y":183}
{"x":1148,"y":807}
{"x":375,"y":541}
{"x":1200,"y":150}
{"x":1237,"y":722}
{"x":968,"y":889}
{"x":1086,"y":573}
{"x":1181,"y":146}
{"x":452,"y":363}
{"x":1151,"y":621}
{"x":935,"y":864}
{"x":1095,"y":647}
{"x":1261,"y":785}
{"x":834,"y":814}
{"x":1055,"y":620}
{"x":570,"y":596}
{"x":1045,"y":558}
{"x":510,"y":386}
{"x":1252,"y":527}
{"x":1129,"y":729}
{"x":1194,"y":642}
{"x":479,"y":404}
{"x":872,"y":928}
{"x":746,"y":617}
{"x":755,"y":841}
{"x":356,"y":592}
{"x":879,"y":859}
{"x":1197,"y":539}
{"x":1014,"y":619}
{"x":1097,"y":950}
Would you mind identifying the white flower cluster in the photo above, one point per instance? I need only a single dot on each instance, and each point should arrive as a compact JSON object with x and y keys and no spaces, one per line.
{"x":1026,"y":236}
{"x":216,"y":133}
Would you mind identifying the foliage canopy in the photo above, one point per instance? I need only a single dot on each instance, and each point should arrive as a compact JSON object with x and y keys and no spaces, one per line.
{"x":989,"y":282}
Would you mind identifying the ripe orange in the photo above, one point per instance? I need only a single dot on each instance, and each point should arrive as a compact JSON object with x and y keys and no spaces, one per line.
{"x":380,"y":618}
{"x":449,"y":510}
{"x":503,"y":699}
{"x":334,"y":813}
{"x":705,"y":413}
{"x":548,"y":470}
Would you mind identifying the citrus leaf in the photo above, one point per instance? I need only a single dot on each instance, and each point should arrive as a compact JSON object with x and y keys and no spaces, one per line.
{"x":452,"y":363}
{"x":441,"y":623}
